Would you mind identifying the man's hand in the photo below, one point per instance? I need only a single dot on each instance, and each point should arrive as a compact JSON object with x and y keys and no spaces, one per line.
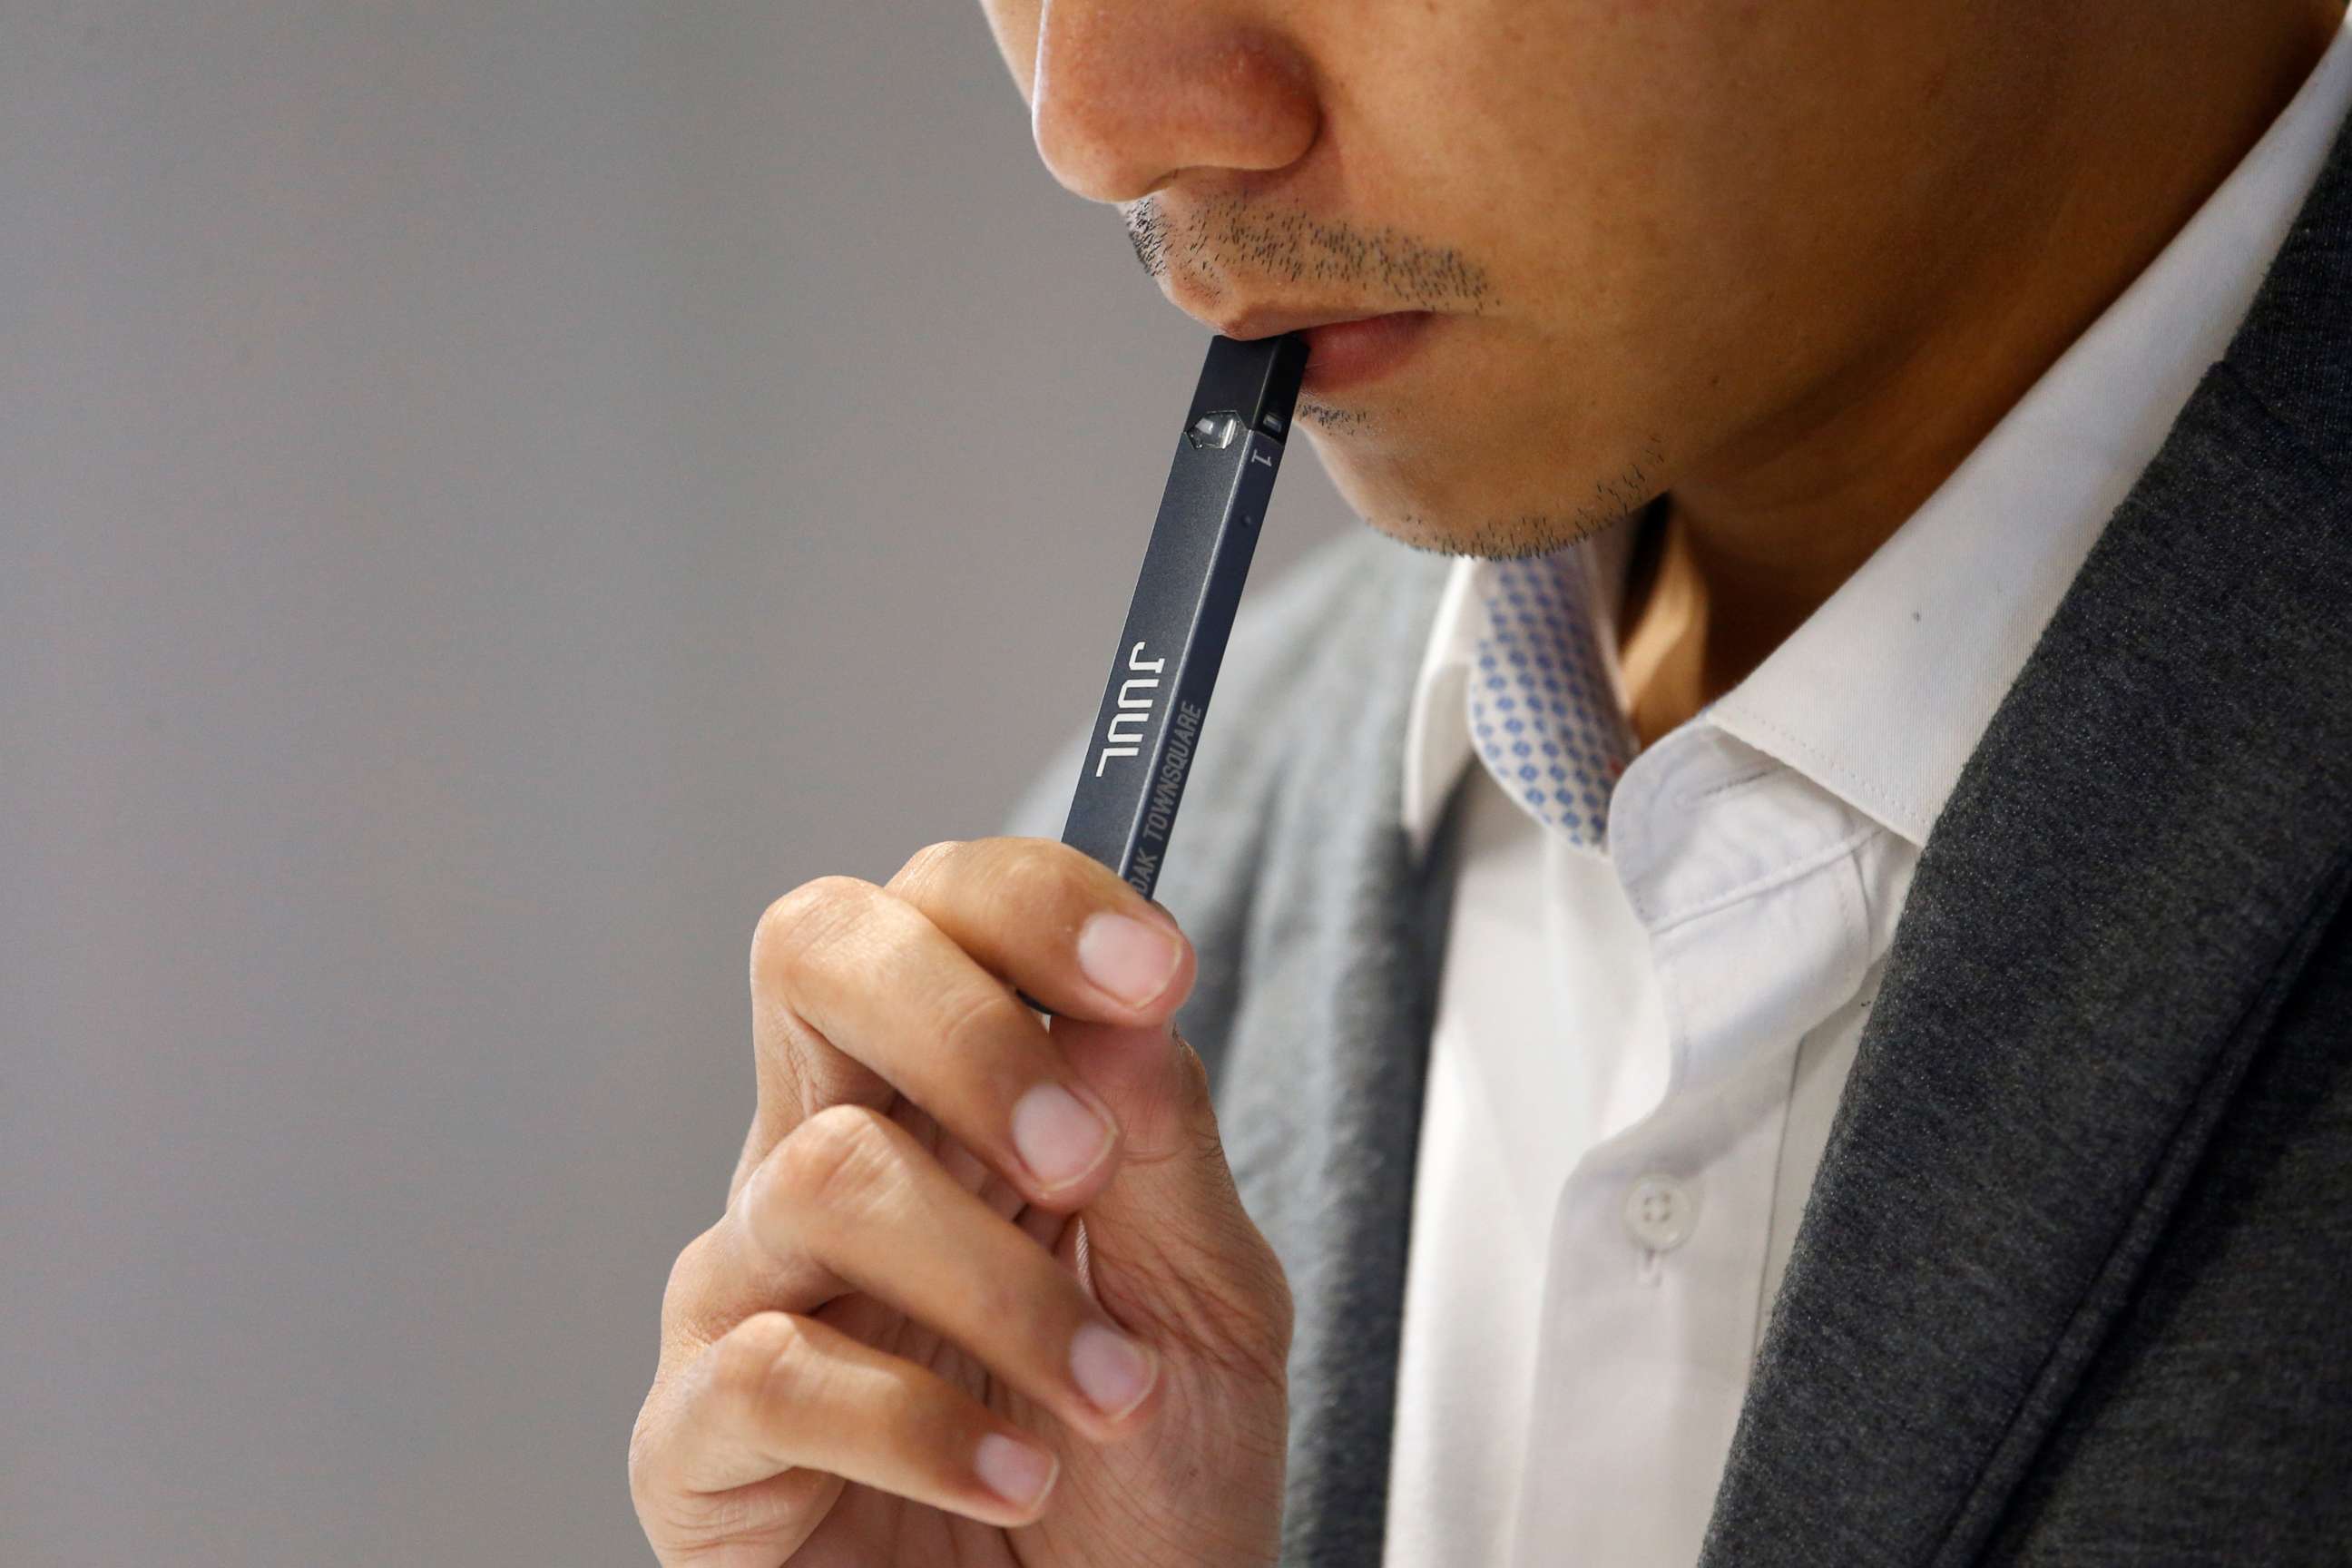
{"x":985,"y":1294}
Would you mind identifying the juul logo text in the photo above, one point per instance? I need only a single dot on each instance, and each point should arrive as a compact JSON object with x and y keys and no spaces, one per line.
{"x":1126,"y":736}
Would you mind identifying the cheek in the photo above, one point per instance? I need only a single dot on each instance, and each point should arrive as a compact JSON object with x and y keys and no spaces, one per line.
{"x":1554,"y":141}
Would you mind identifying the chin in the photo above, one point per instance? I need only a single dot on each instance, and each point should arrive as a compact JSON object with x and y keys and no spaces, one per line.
{"x":1499,"y":454}
{"x":1392,"y":497}
{"x":1448,"y":506}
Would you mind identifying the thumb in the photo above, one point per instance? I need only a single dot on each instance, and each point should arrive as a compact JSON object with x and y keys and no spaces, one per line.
{"x":1171,"y":1250}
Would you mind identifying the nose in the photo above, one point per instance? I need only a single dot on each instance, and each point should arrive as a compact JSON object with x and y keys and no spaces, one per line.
{"x":1129,"y":93}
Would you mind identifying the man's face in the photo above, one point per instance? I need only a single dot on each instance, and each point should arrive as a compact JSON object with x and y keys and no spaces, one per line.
{"x":1666,"y":237}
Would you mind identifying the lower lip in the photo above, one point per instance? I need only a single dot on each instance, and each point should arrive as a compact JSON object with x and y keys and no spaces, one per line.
{"x":1350,"y":353}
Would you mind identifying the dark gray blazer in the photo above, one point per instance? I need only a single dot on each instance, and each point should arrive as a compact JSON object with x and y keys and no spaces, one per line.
{"x":2073,"y":1285}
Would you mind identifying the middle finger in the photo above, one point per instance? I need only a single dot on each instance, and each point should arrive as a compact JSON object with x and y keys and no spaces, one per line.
{"x":868,"y":975}
{"x":853,"y":1193}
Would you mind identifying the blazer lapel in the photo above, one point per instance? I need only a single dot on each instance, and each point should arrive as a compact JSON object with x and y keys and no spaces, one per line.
{"x":2136,"y":862}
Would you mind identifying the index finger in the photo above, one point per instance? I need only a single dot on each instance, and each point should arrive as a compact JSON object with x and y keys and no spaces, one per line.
{"x":860,"y":991}
{"x":1055,"y":923}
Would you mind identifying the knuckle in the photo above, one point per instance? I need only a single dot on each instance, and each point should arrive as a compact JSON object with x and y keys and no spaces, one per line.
{"x":830,"y":1166}
{"x":1047,"y":879}
{"x":688,"y":1273}
{"x":759,"y":1361}
{"x":807,"y":917}
{"x":972,"y":1029}
{"x":926,"y":866}
{"x":1041,"y":879}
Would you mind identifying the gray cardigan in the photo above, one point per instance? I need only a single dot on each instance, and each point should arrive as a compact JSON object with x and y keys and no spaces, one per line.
{"x":2073,"y":1285}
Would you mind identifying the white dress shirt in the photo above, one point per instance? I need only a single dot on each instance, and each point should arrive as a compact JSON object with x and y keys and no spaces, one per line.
{"x":1659,"y":967}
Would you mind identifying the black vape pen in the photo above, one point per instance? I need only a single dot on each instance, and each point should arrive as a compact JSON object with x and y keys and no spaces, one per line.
{"x":1165,"y":666}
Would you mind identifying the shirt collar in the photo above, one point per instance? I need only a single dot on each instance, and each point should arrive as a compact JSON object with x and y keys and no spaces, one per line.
{"x":1882,"y":692}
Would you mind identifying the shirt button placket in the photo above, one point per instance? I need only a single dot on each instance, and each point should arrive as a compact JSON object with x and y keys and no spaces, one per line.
{"x":1661,"y":1211}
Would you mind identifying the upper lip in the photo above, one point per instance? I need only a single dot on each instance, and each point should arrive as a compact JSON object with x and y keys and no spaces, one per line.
{"x":1267,"y":322}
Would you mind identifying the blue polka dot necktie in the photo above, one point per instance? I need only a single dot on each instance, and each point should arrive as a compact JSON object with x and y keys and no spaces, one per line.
{"x":1542,"y":713}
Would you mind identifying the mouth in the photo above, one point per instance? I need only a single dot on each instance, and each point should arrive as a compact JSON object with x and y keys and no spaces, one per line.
{"x":1343,"y":351}
{"x":1343,"y":355}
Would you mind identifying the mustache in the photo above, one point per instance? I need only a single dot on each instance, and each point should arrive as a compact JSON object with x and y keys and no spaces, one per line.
{"x":1222,"y":243}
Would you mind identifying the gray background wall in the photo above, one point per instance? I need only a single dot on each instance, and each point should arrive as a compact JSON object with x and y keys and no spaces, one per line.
{"x":490,"y":495}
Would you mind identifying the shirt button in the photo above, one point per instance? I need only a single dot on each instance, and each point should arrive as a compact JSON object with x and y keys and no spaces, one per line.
{"x":1660,"y":1213}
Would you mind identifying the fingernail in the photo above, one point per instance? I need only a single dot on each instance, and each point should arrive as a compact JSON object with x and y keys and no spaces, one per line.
{"x":1111,"y":1369}
{"x":1013,"y":1469}
{"x":1057,"y":1136}
{"x":1132,"y":959}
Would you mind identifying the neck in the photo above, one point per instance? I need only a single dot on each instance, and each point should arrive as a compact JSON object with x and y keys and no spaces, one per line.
{"x":1763,"y":531}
